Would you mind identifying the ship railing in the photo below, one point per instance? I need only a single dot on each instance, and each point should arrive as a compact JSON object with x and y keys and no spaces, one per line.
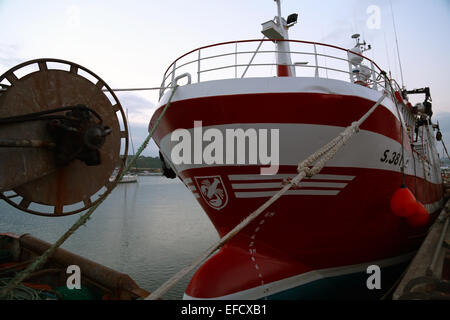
{"x":395,"y":85}
{"x":239,"y":59}
{"x":409,"y":118}
{"x":418,"y":144}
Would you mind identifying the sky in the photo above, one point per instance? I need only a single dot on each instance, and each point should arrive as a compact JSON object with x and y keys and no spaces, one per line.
{"x":131,"y":43}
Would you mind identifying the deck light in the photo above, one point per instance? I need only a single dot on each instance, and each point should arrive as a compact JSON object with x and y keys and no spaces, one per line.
{"x":292,"y":19}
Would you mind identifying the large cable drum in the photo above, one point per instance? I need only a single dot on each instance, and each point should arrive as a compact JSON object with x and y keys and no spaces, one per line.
{"x":62,"y":132}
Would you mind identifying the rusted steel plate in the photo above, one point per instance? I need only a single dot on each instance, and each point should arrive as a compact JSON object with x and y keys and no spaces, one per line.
{"x":48,"y":89}
{"x":19,"y":165}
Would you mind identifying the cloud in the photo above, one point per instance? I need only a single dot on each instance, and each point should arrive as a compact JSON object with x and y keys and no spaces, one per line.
{"x":342,"y":29}
{"x":138,"y":133}
{"x":9,"y":57}
{"x":140,"y":111}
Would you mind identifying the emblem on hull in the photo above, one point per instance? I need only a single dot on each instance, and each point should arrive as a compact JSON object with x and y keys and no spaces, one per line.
{"x":212,"y":190}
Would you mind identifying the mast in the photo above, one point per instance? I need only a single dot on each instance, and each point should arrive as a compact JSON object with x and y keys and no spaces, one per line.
{"x":276,"y":31}
{"x":284,"y":62}
{"x":131,"y":137}
{"x":396,"y":41}
{"x":279,"y":9}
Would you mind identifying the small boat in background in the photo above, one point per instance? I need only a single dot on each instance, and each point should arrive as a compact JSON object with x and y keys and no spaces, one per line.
{"x":129,"y":178}
{"x":149,"y":174}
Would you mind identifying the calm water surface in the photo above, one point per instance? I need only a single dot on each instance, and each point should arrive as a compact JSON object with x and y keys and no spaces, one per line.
{"x":148,"y":230}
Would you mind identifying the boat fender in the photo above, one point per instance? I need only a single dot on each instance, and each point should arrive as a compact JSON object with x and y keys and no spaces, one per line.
{"x":403,"y":202}
{"x":167,"y":170}
{"x":420,"y":217}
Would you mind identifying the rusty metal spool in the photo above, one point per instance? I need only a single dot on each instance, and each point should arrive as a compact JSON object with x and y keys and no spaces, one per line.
{"x":30,"y":178}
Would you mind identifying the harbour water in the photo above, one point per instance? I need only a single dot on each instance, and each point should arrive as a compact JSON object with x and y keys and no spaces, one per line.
{"x":148,"y":230}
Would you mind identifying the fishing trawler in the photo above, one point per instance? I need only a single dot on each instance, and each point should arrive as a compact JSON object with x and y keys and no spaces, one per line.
{"x":318,"y":240}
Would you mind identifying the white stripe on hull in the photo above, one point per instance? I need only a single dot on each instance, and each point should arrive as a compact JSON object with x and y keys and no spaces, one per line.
{"x":298,"y":141}
{"x":280,"y":185}
{"x":190,"y":185}
{"x":243,"y":177}
{"x":303,"y":192}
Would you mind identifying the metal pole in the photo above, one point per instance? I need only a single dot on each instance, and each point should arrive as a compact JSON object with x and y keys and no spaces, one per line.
{"x":235,"y":59}
{"x":10,"y":143}
{"x":396,"y":41}
{"x":279,"y":12}
{"x":198,"y":66}
{"x":251,"y":60}
{"x":317,"y":63}
{"x":173,"y":72}
{"x":374,"y":76}
{"x":350,"y":69}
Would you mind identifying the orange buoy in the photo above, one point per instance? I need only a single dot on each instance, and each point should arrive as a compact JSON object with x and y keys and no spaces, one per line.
{"x":420,"y":217}
{"x":403,"y":202}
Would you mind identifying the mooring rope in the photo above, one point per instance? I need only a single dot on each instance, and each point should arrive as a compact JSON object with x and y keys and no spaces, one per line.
{"x":41,"y":260}
{"x":318,"y":158}
{"x":445,"y":148}
{"x":20,"y":292}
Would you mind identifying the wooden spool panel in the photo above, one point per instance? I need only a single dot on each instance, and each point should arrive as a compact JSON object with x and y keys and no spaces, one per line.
{"x":50,"y":89}
{"x":19,"y":166}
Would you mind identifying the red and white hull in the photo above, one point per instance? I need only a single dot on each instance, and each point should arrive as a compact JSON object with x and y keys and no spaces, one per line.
{"x":331,"y":227}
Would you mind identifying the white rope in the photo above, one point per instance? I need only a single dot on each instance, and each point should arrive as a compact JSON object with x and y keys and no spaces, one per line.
{"x":324,"y":154}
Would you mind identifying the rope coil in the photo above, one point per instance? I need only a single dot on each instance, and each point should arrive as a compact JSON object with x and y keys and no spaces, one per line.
{"x":21,"y":292}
